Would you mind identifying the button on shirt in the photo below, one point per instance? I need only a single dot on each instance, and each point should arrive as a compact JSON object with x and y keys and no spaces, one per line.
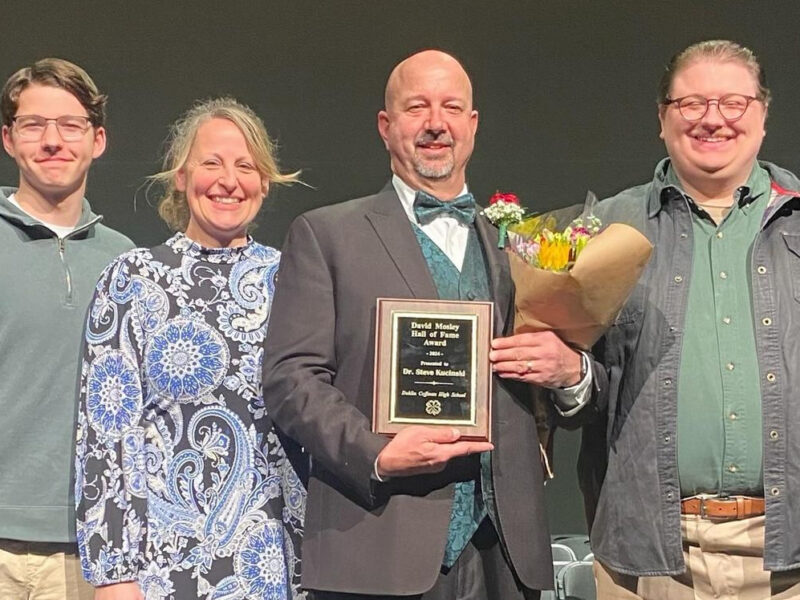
{"x":719,"y":398}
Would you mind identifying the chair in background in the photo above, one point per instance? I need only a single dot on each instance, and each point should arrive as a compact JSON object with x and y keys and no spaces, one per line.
{"x":577,"y":542}
{"x":575,"y":581}
{"x":562,"y":556}
{"x":563,"y":553}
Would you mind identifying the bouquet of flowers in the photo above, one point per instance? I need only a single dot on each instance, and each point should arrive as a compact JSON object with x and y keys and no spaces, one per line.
{"x":574,"y":280}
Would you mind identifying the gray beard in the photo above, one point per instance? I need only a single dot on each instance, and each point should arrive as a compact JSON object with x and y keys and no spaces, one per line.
{"x":437,"y":171}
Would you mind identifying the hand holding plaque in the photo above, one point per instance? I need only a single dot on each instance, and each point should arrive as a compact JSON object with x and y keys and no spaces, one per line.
{"x":418,"y":449}
{"x":432,"y":366}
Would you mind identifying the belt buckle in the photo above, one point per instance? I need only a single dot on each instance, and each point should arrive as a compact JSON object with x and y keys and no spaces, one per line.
{"x":703,"y":509}
{"x":722,"y":498}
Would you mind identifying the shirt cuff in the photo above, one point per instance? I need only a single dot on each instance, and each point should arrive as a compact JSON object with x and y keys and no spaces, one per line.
{"x":375,"y":475}
{"x":570,"y":400}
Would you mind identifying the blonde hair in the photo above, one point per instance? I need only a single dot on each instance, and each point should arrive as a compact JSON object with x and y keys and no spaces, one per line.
{"x":173,"y":207}
{"x":715,"y":50}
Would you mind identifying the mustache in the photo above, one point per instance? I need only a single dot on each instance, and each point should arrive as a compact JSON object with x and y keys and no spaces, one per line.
{"x":431,"y":136}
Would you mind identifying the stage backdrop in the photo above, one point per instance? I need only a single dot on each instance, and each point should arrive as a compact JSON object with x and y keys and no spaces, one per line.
{"x":566,"y":93}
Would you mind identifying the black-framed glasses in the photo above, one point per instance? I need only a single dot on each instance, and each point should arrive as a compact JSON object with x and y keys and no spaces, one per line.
{"x":71,"y":128}
{"x":694,"y":107}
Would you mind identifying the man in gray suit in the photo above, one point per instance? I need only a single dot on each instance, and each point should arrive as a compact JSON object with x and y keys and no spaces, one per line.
{"x":423,"y":514}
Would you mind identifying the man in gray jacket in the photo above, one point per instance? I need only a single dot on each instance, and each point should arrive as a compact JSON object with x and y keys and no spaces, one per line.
{"x":699,"y":494}
{"x":52,"y":250}
{"x":424,"y":514}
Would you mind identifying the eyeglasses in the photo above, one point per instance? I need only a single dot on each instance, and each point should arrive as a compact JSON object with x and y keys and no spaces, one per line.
{"x":70,"y":128}
{"x":693,"y":108}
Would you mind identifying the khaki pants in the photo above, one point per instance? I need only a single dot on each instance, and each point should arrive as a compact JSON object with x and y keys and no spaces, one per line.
{"x":724,"y":561}
{"x":41,"y":571}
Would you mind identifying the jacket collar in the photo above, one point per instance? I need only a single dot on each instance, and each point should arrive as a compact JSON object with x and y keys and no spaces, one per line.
{"x":391,"y":224}
{"x":499,"y":273}
{"x":785,"y":187}
{"x":20,"y":218}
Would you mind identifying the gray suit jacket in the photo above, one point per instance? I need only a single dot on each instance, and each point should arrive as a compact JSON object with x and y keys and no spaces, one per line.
{"x":362,"y":536}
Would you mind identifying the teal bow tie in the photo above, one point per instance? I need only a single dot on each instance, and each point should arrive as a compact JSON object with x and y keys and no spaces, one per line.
{"x":427,"y":208}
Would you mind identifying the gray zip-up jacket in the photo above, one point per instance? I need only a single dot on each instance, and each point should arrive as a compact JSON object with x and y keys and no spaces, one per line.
{"x":636,"y":527}
{"x":45,"y":287}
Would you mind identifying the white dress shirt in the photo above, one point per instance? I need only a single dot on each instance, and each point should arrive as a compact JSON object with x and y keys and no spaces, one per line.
{"x":445,"y":231}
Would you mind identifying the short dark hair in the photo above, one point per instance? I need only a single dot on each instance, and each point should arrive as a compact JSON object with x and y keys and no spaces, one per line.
{"x":719,"y":50}
{"x":55,"y":72}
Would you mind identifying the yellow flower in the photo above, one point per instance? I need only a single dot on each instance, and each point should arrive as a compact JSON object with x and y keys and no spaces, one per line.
{"x":554,"y":252}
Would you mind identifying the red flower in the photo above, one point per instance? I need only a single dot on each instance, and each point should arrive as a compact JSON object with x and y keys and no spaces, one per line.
{"x":507,"y":198}
{"x":578,"y":231}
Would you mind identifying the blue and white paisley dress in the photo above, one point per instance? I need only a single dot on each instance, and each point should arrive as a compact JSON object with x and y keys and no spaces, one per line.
{"x":182,"y":482}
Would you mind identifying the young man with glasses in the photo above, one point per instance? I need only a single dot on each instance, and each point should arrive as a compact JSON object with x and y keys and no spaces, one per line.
{"x":698,"y":497}
{"x":52,"y":250}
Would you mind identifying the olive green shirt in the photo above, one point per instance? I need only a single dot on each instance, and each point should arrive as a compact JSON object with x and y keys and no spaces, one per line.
{"x":719,"y":398}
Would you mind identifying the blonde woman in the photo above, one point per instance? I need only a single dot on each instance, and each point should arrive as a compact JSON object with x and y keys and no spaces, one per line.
{"x":184,"y":488}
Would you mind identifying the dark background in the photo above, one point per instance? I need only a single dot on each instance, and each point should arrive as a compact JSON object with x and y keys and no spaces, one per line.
{"x":566,"y":93}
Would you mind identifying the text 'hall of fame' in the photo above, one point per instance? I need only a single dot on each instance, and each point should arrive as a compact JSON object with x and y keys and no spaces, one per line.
{"x":432,"y":365}
{"x":435,"y":367}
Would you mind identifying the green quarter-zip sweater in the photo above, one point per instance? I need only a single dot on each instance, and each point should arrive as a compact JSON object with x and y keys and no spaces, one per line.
{"x":46,"y":283}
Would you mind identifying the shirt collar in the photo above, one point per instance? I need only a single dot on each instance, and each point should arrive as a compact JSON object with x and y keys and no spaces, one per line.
{"x":182,"y":244}
{"x":407,"y":194}
{"x":667,"y":187}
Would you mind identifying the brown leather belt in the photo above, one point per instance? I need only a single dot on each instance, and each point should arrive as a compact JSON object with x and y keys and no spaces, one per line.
{"x":729,"y":509}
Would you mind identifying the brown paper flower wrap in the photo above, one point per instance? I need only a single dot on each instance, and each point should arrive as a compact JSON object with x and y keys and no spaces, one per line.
{"x":580,"y":304}
{"x":572,"y":280}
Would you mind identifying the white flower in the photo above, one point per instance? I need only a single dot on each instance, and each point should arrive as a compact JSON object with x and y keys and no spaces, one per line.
{"x":500,"y":211}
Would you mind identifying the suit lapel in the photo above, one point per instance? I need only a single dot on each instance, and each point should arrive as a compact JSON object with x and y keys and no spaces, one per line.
{"x":394,"y":231}
{"x":393,"y":228}
{"x":499,"y":274}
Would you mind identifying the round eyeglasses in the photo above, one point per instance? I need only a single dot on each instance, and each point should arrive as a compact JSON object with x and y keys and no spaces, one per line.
{"x":694,"y":107}
{"x":70,"y":128}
